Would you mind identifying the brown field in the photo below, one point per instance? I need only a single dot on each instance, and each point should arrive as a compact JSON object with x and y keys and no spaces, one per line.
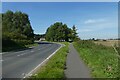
{"x":108,"y":42}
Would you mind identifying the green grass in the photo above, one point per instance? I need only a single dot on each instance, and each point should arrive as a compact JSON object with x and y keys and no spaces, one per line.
{"x":54,"y":68}
{"x":102,"y":60}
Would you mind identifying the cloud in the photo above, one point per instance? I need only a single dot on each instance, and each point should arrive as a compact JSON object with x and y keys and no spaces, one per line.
{"x":89,"y":21}
{"x":84,"y":30}
{"x":98,"y":25}
{"x":93,"y":21}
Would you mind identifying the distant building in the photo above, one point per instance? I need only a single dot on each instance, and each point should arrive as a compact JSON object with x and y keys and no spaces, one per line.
{"x":42,"y":39}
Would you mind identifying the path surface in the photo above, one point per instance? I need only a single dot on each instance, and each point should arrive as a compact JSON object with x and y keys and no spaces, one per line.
{"x":75,"y":66}
{"x":20,"y":63}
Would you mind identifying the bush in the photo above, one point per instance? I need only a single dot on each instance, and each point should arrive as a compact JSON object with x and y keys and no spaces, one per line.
{"x":23,"y":42}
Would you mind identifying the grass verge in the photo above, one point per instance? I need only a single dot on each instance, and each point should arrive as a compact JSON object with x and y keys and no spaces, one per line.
{"x":18,"y":47}
{"x":54,"y":68}
{"x":102,"y":60}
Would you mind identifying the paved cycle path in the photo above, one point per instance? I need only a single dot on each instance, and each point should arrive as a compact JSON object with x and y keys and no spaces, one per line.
{"x":75,"y":65}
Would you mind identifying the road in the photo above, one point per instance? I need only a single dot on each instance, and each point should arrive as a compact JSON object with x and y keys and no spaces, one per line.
{"x":18,"y":64}
{"x":75,"y":65}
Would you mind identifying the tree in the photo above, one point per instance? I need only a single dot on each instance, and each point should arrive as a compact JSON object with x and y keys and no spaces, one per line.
{"x":7,"y":21}
{"x":16,"y":27}
{"x":60,"y":32}
{"x":74,"y":33}
{"x":15,"y":23}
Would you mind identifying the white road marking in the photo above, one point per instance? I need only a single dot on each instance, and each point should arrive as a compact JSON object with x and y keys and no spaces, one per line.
{"x":23,"y":73}
{"x":14,"y":52}
{"x":21,"y":54}
{"x":1,"y":60}
{"x":18,"y":55}
{"x":29,"y":74}
{"x":3,"y":53}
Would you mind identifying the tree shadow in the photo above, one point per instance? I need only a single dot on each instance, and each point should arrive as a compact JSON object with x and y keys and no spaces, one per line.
{"x":12,"y":46}
{"x":44,"y":43}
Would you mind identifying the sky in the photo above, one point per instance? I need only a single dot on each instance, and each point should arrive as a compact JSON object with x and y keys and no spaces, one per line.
{"x":59,"y":0}
{"x":92,"y":19}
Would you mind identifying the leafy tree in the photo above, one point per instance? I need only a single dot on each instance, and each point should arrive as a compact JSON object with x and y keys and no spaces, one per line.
{"x":74,"y":33}
{"x":7,"y":20}
{"x":60,"y":32}
{"x":16,"y":27}
{"x":17,"y":23}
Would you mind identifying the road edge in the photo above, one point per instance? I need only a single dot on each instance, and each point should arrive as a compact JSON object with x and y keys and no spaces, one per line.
{"x":42,"y":63}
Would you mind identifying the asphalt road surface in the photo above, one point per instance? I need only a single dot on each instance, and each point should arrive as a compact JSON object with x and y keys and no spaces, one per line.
{"x":18,"y":64}
{"x":75,"y":65}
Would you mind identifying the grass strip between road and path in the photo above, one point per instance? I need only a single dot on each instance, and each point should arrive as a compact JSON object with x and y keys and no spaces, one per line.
{"x":54,"y":67}
{"x":102,"y":60}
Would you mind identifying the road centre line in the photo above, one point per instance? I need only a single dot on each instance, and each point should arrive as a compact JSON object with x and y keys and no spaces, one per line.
{"x":30,"y":73}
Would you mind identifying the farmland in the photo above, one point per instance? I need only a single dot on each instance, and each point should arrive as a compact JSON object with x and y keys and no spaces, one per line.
{"x":108,"y":42}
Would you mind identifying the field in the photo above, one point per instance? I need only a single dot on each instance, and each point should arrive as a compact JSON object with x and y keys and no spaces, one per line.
{"x":54,"y":68}
{"x":111,"y":43}
{"x":102,"y":60}
{"x":108,"y":42}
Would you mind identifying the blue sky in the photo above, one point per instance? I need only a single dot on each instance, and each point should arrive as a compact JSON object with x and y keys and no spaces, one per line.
{"x":60,"y":0}
{"x":92,"y":19}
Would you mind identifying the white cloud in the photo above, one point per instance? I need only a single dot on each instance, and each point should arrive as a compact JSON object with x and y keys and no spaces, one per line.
{"x":84,"y":30}
{"x":95,"y":27}
{"x":93,"y":21}
{"x":99,"y":24}
{"x":89,"y":21}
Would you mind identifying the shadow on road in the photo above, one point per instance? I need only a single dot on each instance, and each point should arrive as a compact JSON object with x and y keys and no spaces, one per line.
{"x":25,"y":48}
{"x":44,"y":43}
{"x":22,"y":49}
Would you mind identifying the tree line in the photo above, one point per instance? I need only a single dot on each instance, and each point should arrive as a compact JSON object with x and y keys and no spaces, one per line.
{"x":17,"y":31}
{"x":16,"y":28}
{"x":60,"y":32}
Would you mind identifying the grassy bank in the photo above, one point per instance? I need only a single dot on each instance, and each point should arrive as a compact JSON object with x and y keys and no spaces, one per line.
{"x":102,"y":60}
{"x":54,"y":68}
{"x":11,"y":45}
